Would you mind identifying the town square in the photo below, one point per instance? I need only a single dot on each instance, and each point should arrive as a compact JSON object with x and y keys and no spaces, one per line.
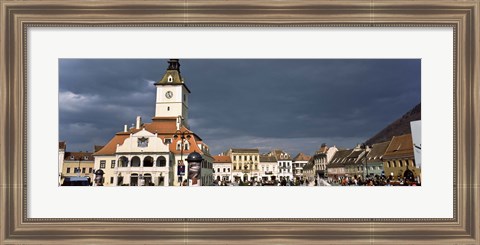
{"x":164,"y":150}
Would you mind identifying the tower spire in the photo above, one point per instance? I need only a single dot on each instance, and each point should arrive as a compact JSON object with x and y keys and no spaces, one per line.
{"x":172,"y":94}
{"x":173,"y":65}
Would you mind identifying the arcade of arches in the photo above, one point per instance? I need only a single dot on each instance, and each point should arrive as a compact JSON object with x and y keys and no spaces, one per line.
{"x":142,"y":177}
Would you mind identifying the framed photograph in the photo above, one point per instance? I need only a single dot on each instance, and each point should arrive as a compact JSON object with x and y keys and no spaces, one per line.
{"x":92,"y":94}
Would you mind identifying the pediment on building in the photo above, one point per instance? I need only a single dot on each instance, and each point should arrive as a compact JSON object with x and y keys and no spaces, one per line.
{"x":143,"y":133}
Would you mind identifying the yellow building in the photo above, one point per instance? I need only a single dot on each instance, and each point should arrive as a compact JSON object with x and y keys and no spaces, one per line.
{"x":77,"y":164}
{"x":399,"y":161}
{"x":245,"y":164}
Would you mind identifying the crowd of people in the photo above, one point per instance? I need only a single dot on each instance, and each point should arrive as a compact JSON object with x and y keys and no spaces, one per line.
{"x":340,"y":181}
{"x":375,"y":181}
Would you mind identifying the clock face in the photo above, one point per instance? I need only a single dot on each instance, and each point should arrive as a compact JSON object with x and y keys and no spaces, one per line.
{"x":169,"y":94}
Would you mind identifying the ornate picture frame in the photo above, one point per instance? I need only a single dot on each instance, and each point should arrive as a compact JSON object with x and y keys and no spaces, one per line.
{"x":17,"y":16}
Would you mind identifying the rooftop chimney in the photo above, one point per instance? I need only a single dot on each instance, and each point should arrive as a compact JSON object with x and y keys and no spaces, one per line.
{"x":139,"y":121}
{"x":125,"y":128}
{"x":178,"y":122}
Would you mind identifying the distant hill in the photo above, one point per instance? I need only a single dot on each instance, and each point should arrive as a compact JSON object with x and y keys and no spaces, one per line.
{"x":398,"y":127}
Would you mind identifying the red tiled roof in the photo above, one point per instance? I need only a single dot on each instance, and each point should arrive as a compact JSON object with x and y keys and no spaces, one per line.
{"x":111,"y":146}
{"x":78,"y":156}
{"x":277,"y":152}
{"x":400,"y":146}
{"x":266,"y":158}
{"x":222,"y":159}
{"x":378,"y":150}
{"x":301,"y":157}
{"x":164,"y":128}
{"x":244,"y":150}
{"x":340,"y":158}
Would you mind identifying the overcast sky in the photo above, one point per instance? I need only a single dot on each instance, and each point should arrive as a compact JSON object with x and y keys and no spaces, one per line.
{"x":291,"y":104}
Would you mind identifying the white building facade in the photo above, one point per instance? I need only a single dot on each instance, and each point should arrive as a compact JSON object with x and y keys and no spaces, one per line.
{"x":284,"y":161}
{"x":268,"y":168}
{"x":155,"y":153}
{"x":299,"y":162}
{"x":222,"y":168}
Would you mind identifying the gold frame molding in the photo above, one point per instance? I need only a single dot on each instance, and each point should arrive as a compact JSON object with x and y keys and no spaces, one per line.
{"x":17,"y":16}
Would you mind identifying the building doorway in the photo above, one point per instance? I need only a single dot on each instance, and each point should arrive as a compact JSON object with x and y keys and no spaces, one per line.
{"x":147,"y":179}
{"x":134,"y":180}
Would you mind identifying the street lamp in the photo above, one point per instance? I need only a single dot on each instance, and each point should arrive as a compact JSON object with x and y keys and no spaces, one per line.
{"x":364,"y":147}
{"x":183,"y":135}
{"x":251,"y":172}
{"x":79,"y":169}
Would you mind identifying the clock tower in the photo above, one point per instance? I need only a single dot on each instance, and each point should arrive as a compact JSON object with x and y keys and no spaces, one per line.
{"x":172,"y":94}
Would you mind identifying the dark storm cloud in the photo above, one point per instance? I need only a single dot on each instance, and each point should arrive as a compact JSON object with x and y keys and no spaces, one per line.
{"x":290,"y":104}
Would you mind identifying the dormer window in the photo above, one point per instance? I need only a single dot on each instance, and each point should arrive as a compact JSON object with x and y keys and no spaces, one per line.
{"x":170,"y":79}
{"x":85,"y":158}
{"x":142,"y":142}
{"x":72,"y":157}
{"x":168,"y":141}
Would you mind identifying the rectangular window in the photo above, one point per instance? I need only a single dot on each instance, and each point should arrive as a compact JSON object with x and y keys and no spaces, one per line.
{"x":83,"y":170}
{"x":224,"y":170}
{"x":68,"y":170}
{"x":90,"y":170}
{"x":228,"y":169}
{"x":111,"y":180}
{"x":113,"y":164}
{"x":168,"y":141}
{"x":102,"y":163}
{"x":234,"y":158}
{"x":234,"y":167}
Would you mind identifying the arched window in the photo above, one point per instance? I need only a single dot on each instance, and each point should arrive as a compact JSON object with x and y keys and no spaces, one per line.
{"x":123,"y":162}
{"x":179,"y":145}
{"x":135,"y":161}
{"x":148,"y":161}
{"x":161,"y":161}
{"x":187,"y":146}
